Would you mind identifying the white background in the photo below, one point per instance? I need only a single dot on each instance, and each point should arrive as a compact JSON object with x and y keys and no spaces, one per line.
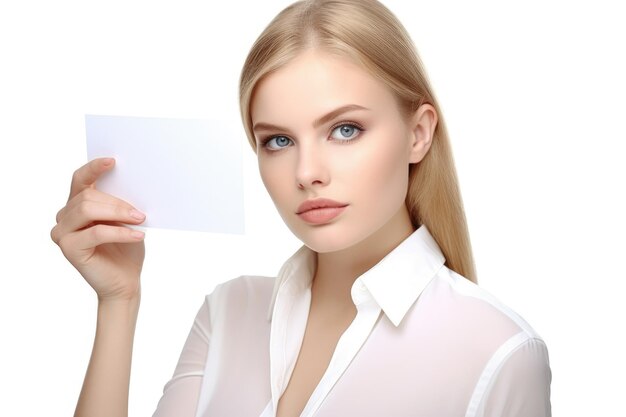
{"x":533,"y":94}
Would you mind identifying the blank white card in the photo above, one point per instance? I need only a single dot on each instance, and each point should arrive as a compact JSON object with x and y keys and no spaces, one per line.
{"x":183,"y":174}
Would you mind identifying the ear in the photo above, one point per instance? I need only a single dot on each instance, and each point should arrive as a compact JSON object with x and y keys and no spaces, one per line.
{"x":423,"y":124}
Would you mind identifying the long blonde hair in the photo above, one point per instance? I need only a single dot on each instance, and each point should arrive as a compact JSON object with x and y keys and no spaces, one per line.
{"x":369,"y":33}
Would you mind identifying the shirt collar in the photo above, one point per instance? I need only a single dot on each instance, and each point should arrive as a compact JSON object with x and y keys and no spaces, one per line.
{"x":394,"y":283}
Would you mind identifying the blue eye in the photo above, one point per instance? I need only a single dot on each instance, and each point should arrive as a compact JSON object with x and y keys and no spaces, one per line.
{"x":345,"y":132}
{"x":277,"y":142}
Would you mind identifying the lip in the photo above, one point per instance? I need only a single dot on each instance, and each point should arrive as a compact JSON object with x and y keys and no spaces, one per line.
{"x":319,"y":203}
{"x":320,"y":211}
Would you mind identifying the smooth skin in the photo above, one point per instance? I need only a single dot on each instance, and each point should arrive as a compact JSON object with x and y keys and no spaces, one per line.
{"x":91,"y":234}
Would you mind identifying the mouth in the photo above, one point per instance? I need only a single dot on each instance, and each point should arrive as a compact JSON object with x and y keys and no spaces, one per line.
{"x":320,"y":211}
{"x":320,"y":203}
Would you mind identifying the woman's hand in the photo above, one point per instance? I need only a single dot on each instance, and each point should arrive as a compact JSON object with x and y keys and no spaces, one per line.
{"x":91,"y":235}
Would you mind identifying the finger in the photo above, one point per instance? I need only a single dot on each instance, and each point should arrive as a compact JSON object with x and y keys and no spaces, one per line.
{"x":87,"y":175}
{"x":91,"y":194}
{"x":88,"y":212}
{"x":59,"y":233}
{"x":98,"y":235}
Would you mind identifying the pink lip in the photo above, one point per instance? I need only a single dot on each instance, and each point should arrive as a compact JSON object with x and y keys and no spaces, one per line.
{"x":320,"y":211}
{"x":317,"y":204}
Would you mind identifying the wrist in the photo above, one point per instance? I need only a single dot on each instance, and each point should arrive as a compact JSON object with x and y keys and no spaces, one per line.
{"x":126,"y":307}
{"x":125,"y":299}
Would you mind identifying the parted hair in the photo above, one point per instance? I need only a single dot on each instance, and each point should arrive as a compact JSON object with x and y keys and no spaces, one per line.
{"x":368,"y":33}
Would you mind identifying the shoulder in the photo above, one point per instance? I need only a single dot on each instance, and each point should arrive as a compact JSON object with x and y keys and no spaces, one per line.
{"x":468,"y":299}
{"x":514,"y":354}
{"x":484,"y":326}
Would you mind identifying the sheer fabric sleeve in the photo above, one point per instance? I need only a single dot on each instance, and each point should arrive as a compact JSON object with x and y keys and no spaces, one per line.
{"x":181,"y":393}
{"x":522,"y":386}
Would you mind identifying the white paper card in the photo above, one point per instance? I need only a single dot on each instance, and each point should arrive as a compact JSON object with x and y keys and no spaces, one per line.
{"x":183,"y":174}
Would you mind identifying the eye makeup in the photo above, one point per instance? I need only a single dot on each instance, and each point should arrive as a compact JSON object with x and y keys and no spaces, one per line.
{"x":265,"y":140}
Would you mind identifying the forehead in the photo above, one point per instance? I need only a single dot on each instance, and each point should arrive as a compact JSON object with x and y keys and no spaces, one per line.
{"x":314,"y":83}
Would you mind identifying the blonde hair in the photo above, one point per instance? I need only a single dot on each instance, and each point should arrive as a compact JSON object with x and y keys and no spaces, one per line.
{"x":369,"y":33}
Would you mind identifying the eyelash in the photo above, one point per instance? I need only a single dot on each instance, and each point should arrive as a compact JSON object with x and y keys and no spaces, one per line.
{"x":265,"y":141}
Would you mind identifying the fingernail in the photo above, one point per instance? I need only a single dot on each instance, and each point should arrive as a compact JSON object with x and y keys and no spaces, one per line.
{"x":108,"y":161}
{"x":137,"y":214}
{"x":137,"y":234}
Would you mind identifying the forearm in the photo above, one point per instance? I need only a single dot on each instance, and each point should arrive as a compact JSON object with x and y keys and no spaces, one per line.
{"x":105,"y":389}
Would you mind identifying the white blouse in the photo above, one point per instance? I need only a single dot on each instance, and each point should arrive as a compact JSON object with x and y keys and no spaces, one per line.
{"x":425,"y":342}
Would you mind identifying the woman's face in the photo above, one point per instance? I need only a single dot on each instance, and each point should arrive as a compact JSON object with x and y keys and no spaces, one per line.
{"x":326,"y":129}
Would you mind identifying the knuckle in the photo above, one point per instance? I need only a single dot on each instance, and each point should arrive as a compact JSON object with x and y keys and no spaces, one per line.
{"x":53,"y":235}
{"x":87,"y":194}
{"x":84,"y":207}
{"x":58,"y":216}
{"x":97,"y":232}
{"x":75,"y":176}
{"x":62,"y":243}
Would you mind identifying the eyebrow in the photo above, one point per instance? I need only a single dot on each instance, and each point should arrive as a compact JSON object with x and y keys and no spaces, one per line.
{"x":317,"y":123}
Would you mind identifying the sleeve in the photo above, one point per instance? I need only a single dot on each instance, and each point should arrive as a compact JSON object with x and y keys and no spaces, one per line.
{"x":181,"y":393}
{"x":521,"y":388}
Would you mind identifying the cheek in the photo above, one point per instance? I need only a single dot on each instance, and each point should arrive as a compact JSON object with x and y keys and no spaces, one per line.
{"x":275,"y":178}
{"x":379,"y":173}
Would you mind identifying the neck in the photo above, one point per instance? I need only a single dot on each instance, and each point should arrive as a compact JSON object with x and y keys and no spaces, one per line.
{"x":337,"y":271}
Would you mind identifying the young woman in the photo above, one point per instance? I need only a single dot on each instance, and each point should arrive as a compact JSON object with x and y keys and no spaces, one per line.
{"x":378,"y":314}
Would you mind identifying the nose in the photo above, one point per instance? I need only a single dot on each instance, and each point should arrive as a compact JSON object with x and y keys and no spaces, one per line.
{"x":312,"y":169}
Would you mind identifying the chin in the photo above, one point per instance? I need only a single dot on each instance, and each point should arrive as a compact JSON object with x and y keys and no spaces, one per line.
{"x":327,"y":238}
{"x":325,"y":246}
